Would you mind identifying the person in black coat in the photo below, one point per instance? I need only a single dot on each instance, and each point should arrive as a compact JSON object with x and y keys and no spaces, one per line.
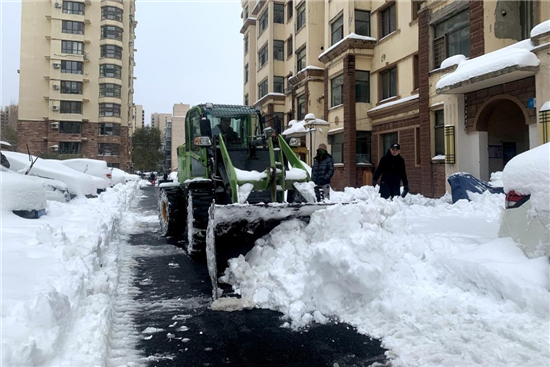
{"x":392,"y":170}
{"x":323,"y":169}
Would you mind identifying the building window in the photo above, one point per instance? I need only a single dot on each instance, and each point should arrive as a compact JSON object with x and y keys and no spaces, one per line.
{"x":336,"y":90}
{"x":71,"y":107}
{"x":71,"y":27}
{"x":362,"y":86}
{"x":108,"y":149}
{"x":278,"y":13}
{"x":301,"y":18}
{"x":262,"y":56}
{"x":69,"y":147}
{"x":72,"y":47}
{"x":289,"y":47}
{"x":301,"y":59}
{"x":362,"y":22}
{"x":262,"y":88}
{"x":110,"y":71}
{"x":70,"y":127}
{"x":527,"y":16}
{"x":278,"y":50}
{"x":111,"y":12}
{"x":363,"y":147}
{"x":109,"y":109}
{"x":246,"y":74}
{"x":71,"y":87}
{"x":111,"y":51}
{"x":110,"y":90}
{"x":278,"y":84}
{"x":388,"y":78}
{"x":246,"y":99}
{"x":388,"y":140}
{"x":109,"y":129}
{"x":337,"y":30}
{"x":246,"y":44}
{"x":452,"y":37}
{"x":439,"y":129}
{"x":113,"y":165}
{"x":337,"y":147}
{"x":301,"y":103}
{"x":387,"y":21}
{"x":263,"y":21}
{"x":111,"y":32}
{"x":415,"y":9}
{"x":72,"y":67}
{"x":415,"y":72}
{"x":289,"y":10}
{"x":71,"y":7}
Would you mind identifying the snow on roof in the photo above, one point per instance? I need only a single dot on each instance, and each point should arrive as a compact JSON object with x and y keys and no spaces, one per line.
{"x":5,"y":143}
{"x":299,"y":126}
{"x":393,"y":103}
{"x":453,"y":60}
{"x":545,"y":106}
{"x":351,"y":35}
{"x":518,"y":54}
{"x":529,"y":174}
{"x":541,"y":28}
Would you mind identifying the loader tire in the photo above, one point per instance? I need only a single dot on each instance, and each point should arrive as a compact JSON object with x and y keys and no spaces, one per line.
{"x":199,"y":198}
{"x":171,"y":212}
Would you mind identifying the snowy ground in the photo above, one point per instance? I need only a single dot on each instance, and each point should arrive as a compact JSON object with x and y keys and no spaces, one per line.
{"x":429,"y":278}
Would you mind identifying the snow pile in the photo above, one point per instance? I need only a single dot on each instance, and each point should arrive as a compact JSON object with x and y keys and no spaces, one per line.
{"x":518,"y":54}
{"x":529,"y":174}
{"x":59,"y":275}
{"x":430,"y":278}
{"x":541,"y":28}
{"x":349,"y":36}
{"x":453,"y":60}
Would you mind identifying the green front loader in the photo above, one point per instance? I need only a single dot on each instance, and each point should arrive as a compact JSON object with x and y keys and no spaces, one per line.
{"x":237,"y":180}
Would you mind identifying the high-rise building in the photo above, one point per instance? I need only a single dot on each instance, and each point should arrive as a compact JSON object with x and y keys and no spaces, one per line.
{"x":372,"y":69}
{"x":138,"y":121}
{"x":178,"y":131}
{"x":159,"y":120}
{"x":77,"y":78}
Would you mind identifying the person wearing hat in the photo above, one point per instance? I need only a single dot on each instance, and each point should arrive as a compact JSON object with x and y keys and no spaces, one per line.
{"x":392,"y":170}
{"x":323,"y":169}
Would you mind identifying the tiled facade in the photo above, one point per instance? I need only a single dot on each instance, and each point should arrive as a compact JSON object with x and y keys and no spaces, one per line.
{"x":77,"y":78}
{"x":399,"y":54}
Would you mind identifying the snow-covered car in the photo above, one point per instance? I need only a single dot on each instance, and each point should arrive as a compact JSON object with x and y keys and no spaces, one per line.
{"x":119,"y":176}
{"x":79,"y":184}
{"x":526,"y":217}
{"x":92,"y":167}
{"x":462,"y":184}
{"x":22,"y":195}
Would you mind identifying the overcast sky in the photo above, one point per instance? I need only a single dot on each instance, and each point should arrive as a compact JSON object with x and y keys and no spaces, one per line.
{"x":188,"y":52}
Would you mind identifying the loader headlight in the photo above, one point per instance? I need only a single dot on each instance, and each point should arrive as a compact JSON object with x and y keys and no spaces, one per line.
{"x":202,"y":141}
{"x":294,"y":142}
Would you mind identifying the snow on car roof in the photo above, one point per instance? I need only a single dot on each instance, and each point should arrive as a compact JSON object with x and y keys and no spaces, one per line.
{"x":21,"y":193}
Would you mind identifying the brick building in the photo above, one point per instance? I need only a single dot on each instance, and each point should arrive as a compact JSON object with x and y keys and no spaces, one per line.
{"x":371,"y":69}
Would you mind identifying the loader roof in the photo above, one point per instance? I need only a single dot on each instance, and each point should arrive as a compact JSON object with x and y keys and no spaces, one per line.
{"x":226,"y":110}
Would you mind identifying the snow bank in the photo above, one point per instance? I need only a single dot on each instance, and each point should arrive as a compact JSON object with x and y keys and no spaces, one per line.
{"x":518,"y":54}
{"x":58,"y":278}
{"x":428,"y":277}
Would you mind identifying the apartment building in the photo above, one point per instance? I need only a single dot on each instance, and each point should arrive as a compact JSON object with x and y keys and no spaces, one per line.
{"x":371,"y":69}
{"x":178,"y":131}
{"x":159,"y":120}
{"x":77,"y":78}
{"x":138,"y":118}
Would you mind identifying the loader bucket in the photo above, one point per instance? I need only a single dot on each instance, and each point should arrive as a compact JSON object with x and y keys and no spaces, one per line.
{"x":233,"y":229}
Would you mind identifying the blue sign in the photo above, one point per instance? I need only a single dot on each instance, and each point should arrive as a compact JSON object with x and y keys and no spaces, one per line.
{"x":532,"y":102}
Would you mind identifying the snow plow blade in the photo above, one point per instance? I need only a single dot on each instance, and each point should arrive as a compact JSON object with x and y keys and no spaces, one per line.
{"x":233,"y":229}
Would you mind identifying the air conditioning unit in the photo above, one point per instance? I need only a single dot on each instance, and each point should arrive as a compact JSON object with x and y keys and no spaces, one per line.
{"x":54,"y":148}
{"x":56,"y":65}
{"x":55,"y":108}
{"x":55,"y":125}
{"x":57,"y":5}
{"x":55,"y":87}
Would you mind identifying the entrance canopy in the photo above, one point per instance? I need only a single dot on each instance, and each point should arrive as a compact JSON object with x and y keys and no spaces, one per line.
{"x":502,"y":66}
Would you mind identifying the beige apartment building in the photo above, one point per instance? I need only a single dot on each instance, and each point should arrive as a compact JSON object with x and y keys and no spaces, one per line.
{"x":177,"y":131}
{"x":371,"y":69}
{"x":138,"y":118}
{"x":159,"y":120}
{"x":77,"y":78}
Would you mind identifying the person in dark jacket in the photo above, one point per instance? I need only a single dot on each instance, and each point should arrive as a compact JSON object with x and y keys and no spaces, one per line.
{"x":323,"y":169}
{"x":392,"y":170}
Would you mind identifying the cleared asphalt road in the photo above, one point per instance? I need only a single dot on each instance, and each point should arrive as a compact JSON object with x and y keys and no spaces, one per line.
{"x":178,"y":327}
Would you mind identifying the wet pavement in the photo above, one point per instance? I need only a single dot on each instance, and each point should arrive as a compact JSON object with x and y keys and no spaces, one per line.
{"x":176,"y":326}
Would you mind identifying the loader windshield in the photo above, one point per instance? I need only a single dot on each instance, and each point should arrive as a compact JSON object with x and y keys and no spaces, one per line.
{"x":234,"y":130}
